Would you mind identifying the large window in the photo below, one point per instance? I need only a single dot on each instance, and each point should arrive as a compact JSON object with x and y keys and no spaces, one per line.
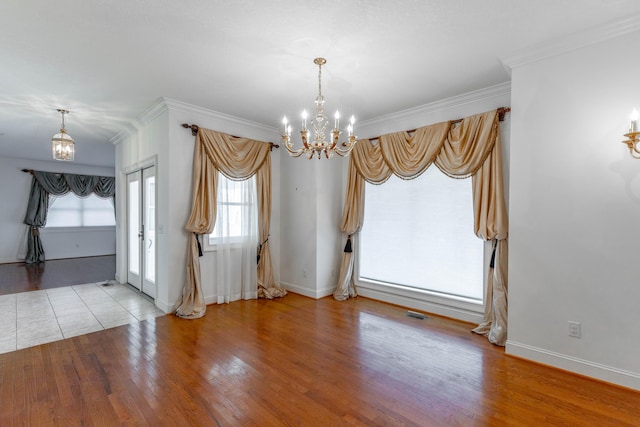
{"x":236,"y":213}
{"x":418,"y":234}
{"x":73,"y":211}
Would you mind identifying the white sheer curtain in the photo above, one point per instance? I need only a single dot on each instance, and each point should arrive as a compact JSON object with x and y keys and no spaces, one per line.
{"x":235,"y":238}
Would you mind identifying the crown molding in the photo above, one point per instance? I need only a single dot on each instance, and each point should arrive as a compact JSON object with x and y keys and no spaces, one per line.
{"x":454,"y":102}
{"x":183,"y":107}
{"x":158,"y":107}
{"x":571,"y":42}
{"x":163,"y":104}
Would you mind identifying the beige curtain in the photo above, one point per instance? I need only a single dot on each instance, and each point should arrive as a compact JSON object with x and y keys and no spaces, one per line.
{"x":471,"y":148}
{"x":238,"y":159}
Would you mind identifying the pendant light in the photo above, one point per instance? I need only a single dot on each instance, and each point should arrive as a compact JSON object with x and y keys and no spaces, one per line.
{"x":62,"y":145}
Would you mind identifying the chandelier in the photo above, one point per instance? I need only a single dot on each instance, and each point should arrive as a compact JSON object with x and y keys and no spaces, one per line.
{"x":62,"y":146}
{"x":319,"y":124}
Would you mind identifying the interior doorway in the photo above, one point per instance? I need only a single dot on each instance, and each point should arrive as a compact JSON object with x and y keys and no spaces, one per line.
{"x":141,"y":230}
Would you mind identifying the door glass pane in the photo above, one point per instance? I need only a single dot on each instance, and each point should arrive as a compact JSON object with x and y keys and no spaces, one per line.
{"x":150,"y":229}
{"x":134,"y":214}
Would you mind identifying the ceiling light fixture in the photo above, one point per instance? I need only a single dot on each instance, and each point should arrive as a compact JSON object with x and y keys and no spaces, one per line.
{"x":62,"y":145}
{"x":633,"y":137}
{"x":319,"y":124}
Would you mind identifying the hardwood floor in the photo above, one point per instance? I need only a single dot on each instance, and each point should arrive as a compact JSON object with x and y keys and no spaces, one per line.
{"x":21,"y":277}
{"x":296,"y":361}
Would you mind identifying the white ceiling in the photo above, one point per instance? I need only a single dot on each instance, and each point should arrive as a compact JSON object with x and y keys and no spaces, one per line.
{"x":108,"y":61}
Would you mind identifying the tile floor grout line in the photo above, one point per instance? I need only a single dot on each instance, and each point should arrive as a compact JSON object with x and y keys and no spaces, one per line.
{"x":16,"y":346}
{"x":135,"y":296}
{"x":54,"y":314}
{"x":88,"y":308}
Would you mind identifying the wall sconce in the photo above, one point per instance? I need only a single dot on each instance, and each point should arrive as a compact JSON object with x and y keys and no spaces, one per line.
{"x":633,"y":137}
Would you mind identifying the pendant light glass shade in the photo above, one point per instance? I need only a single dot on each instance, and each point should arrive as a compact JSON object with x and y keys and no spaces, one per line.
{"x":62,"y":145}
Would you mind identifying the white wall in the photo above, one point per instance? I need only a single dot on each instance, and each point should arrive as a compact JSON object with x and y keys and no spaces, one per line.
{"x":145,"y":146}
{"x":159,"y":139}
{"x":14,"y":193}
{"x":311,"y":211}
{"x":575,"y":205}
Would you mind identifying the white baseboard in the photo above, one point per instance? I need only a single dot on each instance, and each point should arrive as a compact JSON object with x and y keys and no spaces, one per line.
{"x":164,"y":306}
{"x":315,"y":294}
{"x":573,"y":364}
{"x":10,"y":260}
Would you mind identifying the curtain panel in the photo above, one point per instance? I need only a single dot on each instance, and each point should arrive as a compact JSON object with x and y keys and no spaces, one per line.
{"x":471,"y":148}
{"x":45,"y":184}
{"x":238,"y":159}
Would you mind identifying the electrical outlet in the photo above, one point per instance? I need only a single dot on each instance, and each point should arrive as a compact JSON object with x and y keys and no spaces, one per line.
{"x":574,"y":329}
{"x":304,"y":274}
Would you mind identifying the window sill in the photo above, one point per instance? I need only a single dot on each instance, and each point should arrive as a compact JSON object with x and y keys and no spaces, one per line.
{"x":48,"y":230}
{"x":445,"y":305}
{"x":212,"y":247}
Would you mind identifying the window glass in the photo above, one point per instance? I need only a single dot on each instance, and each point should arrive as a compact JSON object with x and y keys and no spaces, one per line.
{"x":236,"y":213}
{"x":419,"y":234}
{"x":73,"y":211}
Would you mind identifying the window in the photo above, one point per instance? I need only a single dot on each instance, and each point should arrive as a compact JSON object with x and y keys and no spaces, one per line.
{"x":236,"y":214}
{"x":73,"y":211}
{"x":418,"y":234}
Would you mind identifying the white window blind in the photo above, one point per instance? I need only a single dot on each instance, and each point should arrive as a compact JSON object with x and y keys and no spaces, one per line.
{"x":419,"y":234}
{"x":73,"y":211}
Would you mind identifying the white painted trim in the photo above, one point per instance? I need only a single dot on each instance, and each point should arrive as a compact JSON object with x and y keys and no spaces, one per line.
{"x":11,"y":260}
{"x":142,"y":164}
{"x":83,"y":229}
{"x":569,"y":363}
{"x":571,"y":42}
{"x":167,"y":308}
{"x":183,"y":107}
{"x":155,"y":109}
{"x":421,"y":304}
{"x":495,"y":91}
{"x":317,"y":294}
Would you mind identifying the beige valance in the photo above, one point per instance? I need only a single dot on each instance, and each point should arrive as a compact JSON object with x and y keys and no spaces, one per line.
{"x":472,"y":148}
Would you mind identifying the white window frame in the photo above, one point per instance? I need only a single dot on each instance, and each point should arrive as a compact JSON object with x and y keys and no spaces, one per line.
{"x":449,"y":305}
{"x":67,"y":228}
{"x":212,"y":243}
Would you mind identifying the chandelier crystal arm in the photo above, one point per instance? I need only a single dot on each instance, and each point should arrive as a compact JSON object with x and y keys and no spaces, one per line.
{"x":319,"y":123}
{"x":633,"y":138}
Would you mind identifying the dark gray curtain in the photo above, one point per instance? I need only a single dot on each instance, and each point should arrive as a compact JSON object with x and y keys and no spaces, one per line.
{"x":45,"y":184}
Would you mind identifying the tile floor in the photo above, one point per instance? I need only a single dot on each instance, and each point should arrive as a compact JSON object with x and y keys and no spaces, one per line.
{"x":32,"y":318}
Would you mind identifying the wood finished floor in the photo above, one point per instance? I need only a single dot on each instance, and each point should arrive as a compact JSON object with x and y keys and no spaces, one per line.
{"x":296,"y":361}
{"x":21,"y":277}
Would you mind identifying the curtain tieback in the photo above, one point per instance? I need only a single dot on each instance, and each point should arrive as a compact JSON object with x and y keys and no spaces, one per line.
{"x":260,"y":245}
{"x":200,"y":254}
{"x":492,"y":264}
{"x":35,"y":231}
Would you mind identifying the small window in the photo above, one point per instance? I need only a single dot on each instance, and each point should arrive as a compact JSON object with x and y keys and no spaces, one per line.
{"x":73,"y":211}
{"x":236,"y":213}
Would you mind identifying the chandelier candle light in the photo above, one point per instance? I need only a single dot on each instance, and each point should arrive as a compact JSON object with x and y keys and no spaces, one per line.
{"x":62,"y":145}
{"x":319,"y":124}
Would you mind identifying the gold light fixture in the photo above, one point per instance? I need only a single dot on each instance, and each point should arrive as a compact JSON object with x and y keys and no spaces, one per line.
{"x":62,"y":145}
{"x":633,"y":137}
{"x":319,"y":124}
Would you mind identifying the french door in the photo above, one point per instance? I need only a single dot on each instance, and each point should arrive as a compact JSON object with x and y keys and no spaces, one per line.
{"x":141,"y":230}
